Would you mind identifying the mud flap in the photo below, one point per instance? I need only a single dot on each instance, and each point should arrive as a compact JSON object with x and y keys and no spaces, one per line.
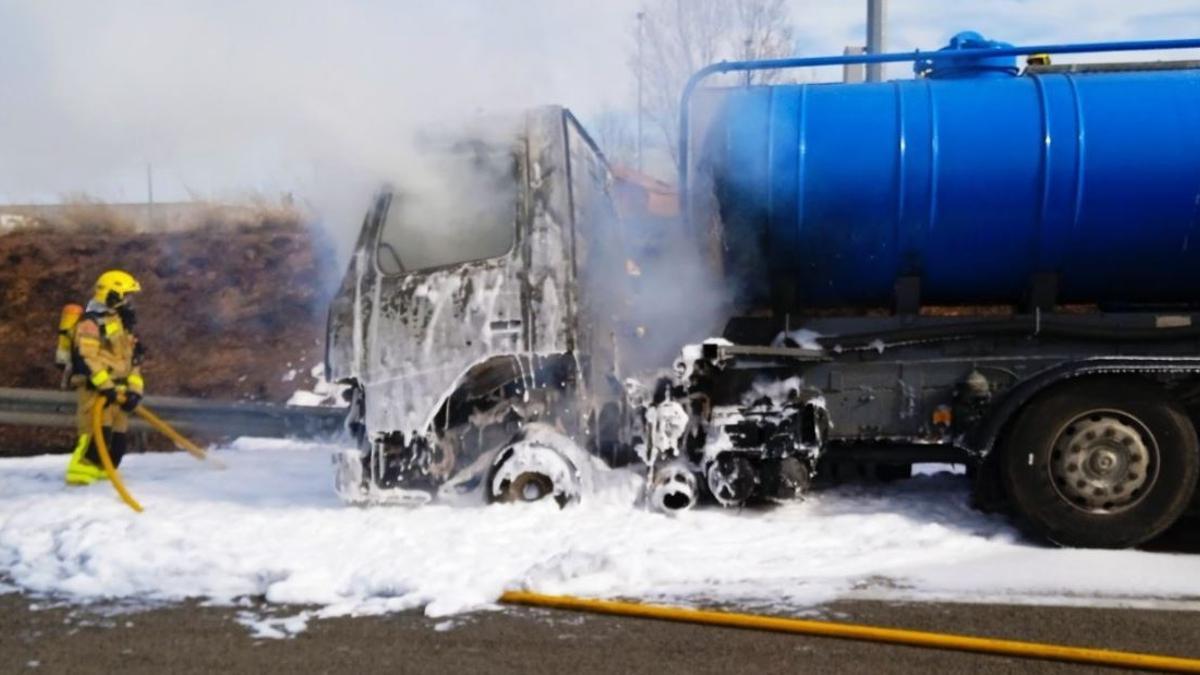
{"x":348,"y":476}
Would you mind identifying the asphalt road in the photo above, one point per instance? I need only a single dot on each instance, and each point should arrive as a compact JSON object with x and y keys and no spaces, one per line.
{"x":190,"y":638}
{"x":39,"y":635}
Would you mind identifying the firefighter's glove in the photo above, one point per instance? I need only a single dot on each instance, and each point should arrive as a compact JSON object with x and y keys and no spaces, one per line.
{"x":110,"y":395}
{"x":132,"y":400}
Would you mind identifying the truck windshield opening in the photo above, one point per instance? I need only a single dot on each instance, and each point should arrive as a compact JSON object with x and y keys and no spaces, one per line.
{"x":461,"y":206}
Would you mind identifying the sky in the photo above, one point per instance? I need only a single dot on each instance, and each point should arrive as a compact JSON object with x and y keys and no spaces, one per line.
{"x":225,"y":99}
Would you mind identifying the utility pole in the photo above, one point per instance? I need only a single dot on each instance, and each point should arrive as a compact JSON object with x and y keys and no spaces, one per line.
{"x":641,"y":17}
{"x":876,"y":15}
{"x":150,"y":195}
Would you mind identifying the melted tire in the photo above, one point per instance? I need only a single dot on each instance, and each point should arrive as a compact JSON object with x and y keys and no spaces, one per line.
{"x":1037,"y":495}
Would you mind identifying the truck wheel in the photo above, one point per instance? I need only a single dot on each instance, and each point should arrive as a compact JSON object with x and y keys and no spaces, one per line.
{"x":1101,"y":463}
{"x":529,"y":471}
{"x":527,"y":487}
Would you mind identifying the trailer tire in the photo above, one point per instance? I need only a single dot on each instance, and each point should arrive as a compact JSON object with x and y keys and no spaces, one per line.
{"x":1101,"y":463}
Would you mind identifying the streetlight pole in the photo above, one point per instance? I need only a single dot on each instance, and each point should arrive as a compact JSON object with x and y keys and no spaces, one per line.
{"x":150,"y":195}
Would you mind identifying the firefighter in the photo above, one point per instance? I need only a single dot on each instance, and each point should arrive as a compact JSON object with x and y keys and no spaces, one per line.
{"x":105,"y":358}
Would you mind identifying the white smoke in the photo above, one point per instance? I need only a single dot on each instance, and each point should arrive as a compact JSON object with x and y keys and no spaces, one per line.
{"x":224,"y":98}
{"x":320,"y":99}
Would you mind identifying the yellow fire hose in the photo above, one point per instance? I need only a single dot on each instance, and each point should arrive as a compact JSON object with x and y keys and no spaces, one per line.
{"x":154,"y":421}
{"x":102,"y":447}
{"x":1029,"y":650}
{"x":176,"y":438}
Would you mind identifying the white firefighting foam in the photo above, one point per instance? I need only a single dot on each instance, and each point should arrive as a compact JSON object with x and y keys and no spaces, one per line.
{"x":270,"y":525}
{"x":323,"y":393}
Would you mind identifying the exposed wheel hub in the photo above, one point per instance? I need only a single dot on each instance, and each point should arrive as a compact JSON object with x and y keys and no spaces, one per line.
{"x":530,"y":487}
{"x":731,"y":479}
{"x":1104,"y":461}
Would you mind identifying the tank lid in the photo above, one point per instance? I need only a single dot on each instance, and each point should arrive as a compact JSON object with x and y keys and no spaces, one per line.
{"x":944,"y":64}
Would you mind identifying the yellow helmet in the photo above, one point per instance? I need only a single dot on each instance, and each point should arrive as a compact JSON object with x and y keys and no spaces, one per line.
{"x":114,"y":285}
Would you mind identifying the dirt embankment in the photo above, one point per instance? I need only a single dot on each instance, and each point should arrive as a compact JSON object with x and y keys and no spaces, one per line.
{"x":230,"y":311}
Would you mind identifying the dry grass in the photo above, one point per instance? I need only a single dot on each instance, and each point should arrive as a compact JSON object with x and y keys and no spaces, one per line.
{"x":81,"y":213}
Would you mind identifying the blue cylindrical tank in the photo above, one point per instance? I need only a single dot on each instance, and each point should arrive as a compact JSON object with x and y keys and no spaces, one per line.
{"x":972,"y":178}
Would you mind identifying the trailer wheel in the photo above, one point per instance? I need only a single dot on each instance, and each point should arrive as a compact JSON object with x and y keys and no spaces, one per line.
{"x":1101,"y":463}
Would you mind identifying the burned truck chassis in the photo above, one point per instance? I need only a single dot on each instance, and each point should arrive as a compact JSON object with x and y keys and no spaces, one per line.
{"x":885,"y":393}
{"x":888,"y":392}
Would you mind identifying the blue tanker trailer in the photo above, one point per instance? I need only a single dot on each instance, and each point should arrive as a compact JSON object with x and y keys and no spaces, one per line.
{"x":991,"y":263}
{"x":994,"y":263}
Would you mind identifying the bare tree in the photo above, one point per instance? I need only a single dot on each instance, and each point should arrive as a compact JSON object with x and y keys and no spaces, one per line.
{"x":764,"y":29}
{"x":613,"y":132}
{"x":679,"y":37}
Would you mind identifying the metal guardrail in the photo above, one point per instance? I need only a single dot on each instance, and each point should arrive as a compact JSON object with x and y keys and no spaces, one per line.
{"x":53,"y":408}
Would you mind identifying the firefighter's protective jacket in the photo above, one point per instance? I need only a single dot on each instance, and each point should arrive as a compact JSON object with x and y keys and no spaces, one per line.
{"x":104,"y":351}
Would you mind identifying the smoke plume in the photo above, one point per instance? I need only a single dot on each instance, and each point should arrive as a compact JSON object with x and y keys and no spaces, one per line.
{"x":323,"y":100}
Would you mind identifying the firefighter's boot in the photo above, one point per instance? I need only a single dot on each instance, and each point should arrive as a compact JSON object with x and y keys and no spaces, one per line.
{"x":116,"y":442}
{"x":81,"y":470}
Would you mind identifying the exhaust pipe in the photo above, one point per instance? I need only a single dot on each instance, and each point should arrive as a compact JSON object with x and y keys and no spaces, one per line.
{"x":674,"y":488}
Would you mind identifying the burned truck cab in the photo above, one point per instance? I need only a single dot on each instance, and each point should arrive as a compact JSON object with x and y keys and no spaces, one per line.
{"x":460,"y":327}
